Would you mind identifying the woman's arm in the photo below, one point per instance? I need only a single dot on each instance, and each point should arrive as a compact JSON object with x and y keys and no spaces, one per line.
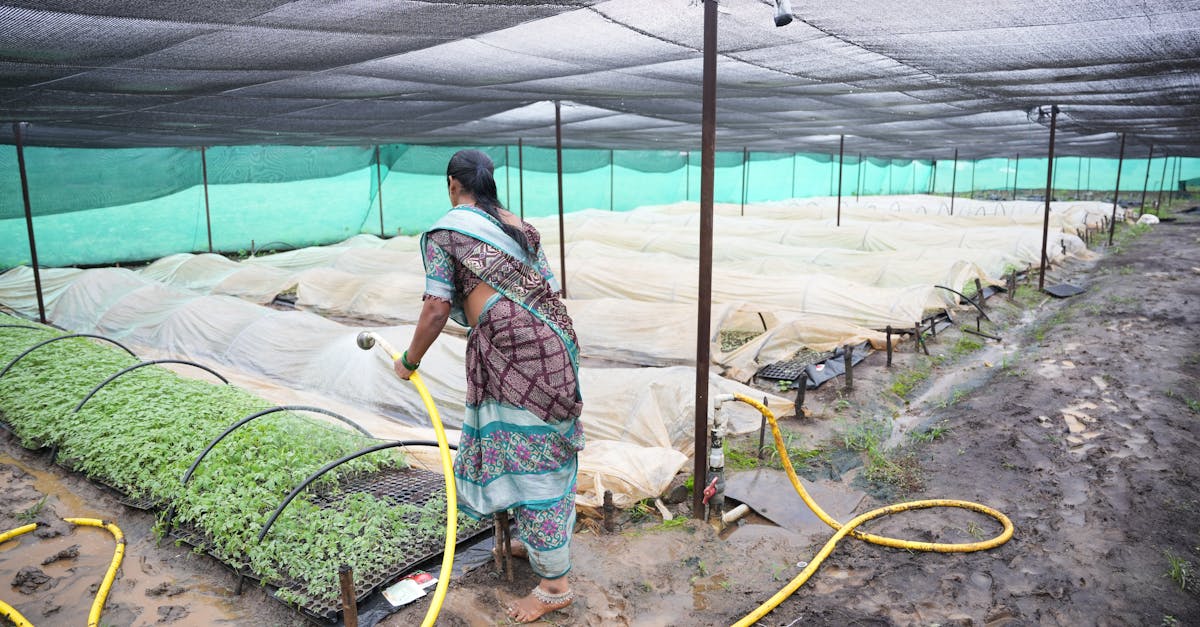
{"x":434,"y":314}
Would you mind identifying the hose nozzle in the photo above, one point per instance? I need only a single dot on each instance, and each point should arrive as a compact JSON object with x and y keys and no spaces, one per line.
{"x":366,"y":340}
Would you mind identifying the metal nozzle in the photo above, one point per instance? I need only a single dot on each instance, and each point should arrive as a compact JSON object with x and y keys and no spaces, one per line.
{"x":366,"y":340}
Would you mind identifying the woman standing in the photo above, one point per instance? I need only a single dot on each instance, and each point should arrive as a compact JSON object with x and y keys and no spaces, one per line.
{"x":484,"y":267}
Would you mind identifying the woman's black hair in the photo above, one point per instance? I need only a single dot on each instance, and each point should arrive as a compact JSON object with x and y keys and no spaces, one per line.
{"x":473,"y":170}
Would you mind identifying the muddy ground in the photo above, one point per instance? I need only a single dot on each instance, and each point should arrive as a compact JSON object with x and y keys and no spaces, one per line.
{"x":1081,"y":425}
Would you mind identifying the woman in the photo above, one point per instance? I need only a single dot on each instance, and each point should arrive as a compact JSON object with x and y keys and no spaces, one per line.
{"x":484,"y":268}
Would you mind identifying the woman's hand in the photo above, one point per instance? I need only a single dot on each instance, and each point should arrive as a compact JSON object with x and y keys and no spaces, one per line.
{"x":401,"y":371}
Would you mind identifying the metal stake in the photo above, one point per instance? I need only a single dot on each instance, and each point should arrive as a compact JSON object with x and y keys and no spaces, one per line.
{"x":1016,"y":171}
{"x":708,"y":140}
{"x":37,"y":274}
{"x":1112,"y":225}
{"x":1146,"y":183}
{"x":562,"y":240}
{"x":889,"y":346}
{"x":1049,"y":184}
{"x":521,"y":175}
{"x":841,"y":155}
{"x":379,"y":185}
{"x":848,"y":363}
{"x":953,"y":181}
{"x":207,"y":218}
{"x":745,"y":176}
{"x":1161,"y":180}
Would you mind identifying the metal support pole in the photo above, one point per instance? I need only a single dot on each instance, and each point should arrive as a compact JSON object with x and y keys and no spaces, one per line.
{"x":521,"y":175}
{"x":349,"y":598}
{"x":1078,"y":177}
{"x":1174,"y":182}
{"x":1112,"y":224}
{"x":889,"y":346}
{"x":793,"y":175}
{"x":1016,"y":171}
{"x":1049,"y":184}
{"x":379,"y":185}
{"x":1146,"y":183}
{"x":1088,"y":181}
{"x":507,"y":180}
{"x":762,"y":430}
{"x":562,"y":240}
{"x":953,"y":180}
{"x":745,"y":175}
{"x":687,"y":185}
{"x":932,"y":176}
{"x":859,"y":187}
{"x":612,"y":180}
{"x":204,"y":175}
{"x":37,"y":273}
{"x":1161,"y":179}
{"x":708,"y":140}
{"x":841,"y":158}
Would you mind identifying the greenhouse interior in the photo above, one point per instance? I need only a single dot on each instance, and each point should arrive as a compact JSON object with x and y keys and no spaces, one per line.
{"x":814,"y":254}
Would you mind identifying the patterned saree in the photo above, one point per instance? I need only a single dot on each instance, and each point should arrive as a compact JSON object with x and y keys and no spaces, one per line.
{"x":521,"y":432}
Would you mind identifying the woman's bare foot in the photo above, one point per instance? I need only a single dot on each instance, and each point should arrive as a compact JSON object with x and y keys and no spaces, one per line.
{"x":546,"y":597}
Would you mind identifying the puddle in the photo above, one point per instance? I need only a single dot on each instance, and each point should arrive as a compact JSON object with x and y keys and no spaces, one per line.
{"x":64,"y":502}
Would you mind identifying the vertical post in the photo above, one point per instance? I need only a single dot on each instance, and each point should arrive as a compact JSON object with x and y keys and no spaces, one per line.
{"x":891,"y":169}
{"x":1112,"y":224}
{"x":562,"y":240}
{"x":1088,"y":182}
{"x":953,"y":180}
{"x":379,"y":186}
{"x":932,"y":176}
{"x":889,"y":346}
{"x":708,"y":140}
{"x":1146,"y":183}
{"x":1161,"y":179}
{"x":860,"y":167}
{"x":687,"y":181}
{"x":507,"y":182}
{"x":1174,"y":182}
{"x":521,"y":175}
{"x":37,"y":274}
{"x":349,"y":597}
{"x":848,"y":364}
{"x":841,"y":158}
{"x":204,"y":175}
{"x":1016,"y":171}
{"x":612,"y":180}
{"x":745,"y":175}
{"x":1049,"y":184}
{"x":793,"y":175}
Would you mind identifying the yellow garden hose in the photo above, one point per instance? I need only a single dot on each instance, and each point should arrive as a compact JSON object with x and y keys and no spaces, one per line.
{"x":849,"y":528}
{"x":101,"y":595}
{"x":443,"y":584}
{"x":366,"y":339}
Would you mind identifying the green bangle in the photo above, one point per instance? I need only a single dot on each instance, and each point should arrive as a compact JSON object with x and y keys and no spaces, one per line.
{"x":408,"y":366}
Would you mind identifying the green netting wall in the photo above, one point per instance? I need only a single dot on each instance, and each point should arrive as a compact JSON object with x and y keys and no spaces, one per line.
{"x":109,"y":206}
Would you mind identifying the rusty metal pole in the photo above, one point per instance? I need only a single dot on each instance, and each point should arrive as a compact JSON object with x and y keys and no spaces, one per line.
{"x":745,"y":175}
{"x":841,"y":160}
{"x":204,"y":175}
{"x":1161,"y":179}
{"x":521,"y":175}
{"x":562,"y":240}
{"x":1112,"y":224}
{"x":1016,"y":171}
{"x":708,"y":141}
{"x":349,"y":597}
{"x":1146,"y":183}
{"x":379,"y":187}
{"x":1049,"y":184}
{"x":953,"y":180}
{"x":37,"y":274}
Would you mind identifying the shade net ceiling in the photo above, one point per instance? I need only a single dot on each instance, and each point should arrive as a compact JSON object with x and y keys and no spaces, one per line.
{"x":896,"y":78}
